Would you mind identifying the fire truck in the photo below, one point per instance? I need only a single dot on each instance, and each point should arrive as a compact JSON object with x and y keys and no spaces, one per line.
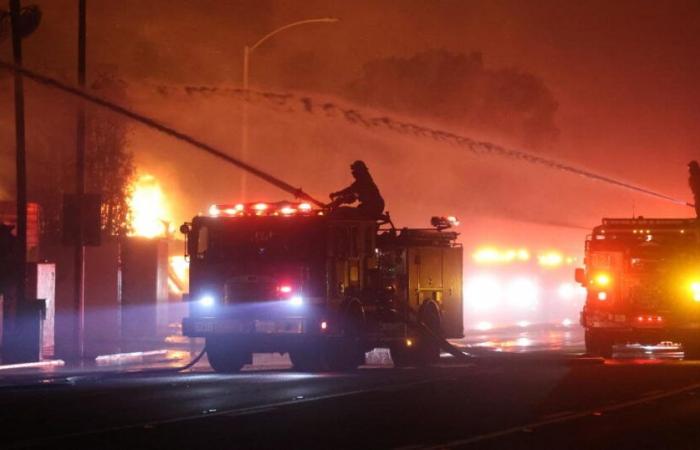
{"x":643,"y":284}
{"x":288,"y":277}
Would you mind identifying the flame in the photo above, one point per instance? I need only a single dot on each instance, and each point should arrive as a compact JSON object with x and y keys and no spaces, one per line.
{"x":149,"y":211}
{"x":178,"y":274}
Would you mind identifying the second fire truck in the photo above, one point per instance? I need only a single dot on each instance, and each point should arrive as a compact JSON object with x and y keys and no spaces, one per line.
{"x":643,"y":284}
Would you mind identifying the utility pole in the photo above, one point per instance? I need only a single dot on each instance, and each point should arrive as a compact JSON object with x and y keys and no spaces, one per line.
{"x":21,"y":178}
{"x":79,"y":257}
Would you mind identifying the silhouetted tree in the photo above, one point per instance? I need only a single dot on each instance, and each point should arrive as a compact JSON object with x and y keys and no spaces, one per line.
{"x":459,"y":89}
{"x":109,"y":166}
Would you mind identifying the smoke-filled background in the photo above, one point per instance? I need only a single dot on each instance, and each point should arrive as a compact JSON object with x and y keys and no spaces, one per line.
{"x":607,"y":87}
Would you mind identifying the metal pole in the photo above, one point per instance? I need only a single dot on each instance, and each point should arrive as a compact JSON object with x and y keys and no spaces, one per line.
{"x":79,"y":259}
{"x":247,"y":50}
{"x":21,"y":158}
{"x":244,"y":125}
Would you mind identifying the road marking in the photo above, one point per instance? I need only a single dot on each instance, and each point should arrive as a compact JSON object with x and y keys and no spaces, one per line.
{"x":564,"y":418}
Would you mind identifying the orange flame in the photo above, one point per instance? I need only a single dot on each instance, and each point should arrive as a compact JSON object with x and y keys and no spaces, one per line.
{"x":149,"y":210}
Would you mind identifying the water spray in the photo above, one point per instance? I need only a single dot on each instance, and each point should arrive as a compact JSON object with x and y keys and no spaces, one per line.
{"x":294,"y":103}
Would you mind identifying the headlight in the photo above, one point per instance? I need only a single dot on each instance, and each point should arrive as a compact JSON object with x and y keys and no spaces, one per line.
{"x":296,"y":301}
{"x":602,"y":279}
{"x":206,"y":301}
{"x":695,"y":290}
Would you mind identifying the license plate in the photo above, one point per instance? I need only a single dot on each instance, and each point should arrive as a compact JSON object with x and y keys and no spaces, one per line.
{"x":278,"y":326}
{"x":227,"y":326}
{"x":204,"y":327}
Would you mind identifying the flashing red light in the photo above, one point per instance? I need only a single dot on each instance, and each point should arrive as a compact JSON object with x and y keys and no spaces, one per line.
{"x":285,"y":289}
{"x":304,"y":207}
{"x":640,"y":319}
{"x":287,"y":210}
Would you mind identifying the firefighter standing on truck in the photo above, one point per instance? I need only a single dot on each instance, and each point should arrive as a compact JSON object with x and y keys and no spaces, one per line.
{"x":363,"y":190}
{"x":694,"y":182}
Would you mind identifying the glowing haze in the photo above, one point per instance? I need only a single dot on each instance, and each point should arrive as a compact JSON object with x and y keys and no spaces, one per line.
{"x":607,"y":86}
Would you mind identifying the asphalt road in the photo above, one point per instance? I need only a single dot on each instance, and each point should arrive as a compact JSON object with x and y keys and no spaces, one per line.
{"x":523,"y":389}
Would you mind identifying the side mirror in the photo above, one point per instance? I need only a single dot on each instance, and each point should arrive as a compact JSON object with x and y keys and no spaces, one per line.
{"x":580,"y":276}
{"x":185,"y":229}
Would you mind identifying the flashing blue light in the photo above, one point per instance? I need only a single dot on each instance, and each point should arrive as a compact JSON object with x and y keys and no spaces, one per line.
{"x":296,"y":301}
{"x":207,"y":301}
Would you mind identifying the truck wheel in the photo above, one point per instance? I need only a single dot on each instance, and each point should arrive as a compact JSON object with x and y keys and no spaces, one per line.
{"x":403,"y":356}
{"x":599,"y":344}
{"x":308,"y":359}
{"x":346,"y":352}
{"x":224,"y":357}
{"x":343,"y":355}
{"x":429,"y":347}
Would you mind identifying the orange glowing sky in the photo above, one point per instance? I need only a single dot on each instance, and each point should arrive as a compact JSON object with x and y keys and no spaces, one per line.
{"x":624,"y":75}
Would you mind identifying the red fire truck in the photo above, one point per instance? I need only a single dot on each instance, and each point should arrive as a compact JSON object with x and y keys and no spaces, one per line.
{"x":290,"y":278}
{"x":643,"y":283}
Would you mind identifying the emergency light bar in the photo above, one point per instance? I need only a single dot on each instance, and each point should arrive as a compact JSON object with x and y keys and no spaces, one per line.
{"x":641,"y":222}
{"x":644,"y":228}
{"x":264,"y":209}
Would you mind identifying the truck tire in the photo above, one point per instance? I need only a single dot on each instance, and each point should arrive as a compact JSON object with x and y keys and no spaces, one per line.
{"x":224,"y":357}
{"x":310,"y":359}
{"x":599,"y":343}
{"x":429,"y":347}
{"x":346,"y":352}
{"x":403,"y":356}
{"x":425,"y":349}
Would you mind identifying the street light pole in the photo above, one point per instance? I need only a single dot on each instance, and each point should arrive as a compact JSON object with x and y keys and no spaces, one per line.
{"x":247,"y":50}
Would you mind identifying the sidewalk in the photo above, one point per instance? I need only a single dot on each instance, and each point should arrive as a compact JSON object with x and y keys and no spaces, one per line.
{"x":169,"y":352}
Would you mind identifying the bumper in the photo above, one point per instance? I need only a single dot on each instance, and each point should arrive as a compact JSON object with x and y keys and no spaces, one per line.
{"x":263,"y":336}
{"x":206,"y":326}
{"x":641,"y":325}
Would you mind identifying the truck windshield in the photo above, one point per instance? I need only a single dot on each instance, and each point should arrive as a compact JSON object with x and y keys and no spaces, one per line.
{"x":272,"y":238}
{"x":658,"y":253}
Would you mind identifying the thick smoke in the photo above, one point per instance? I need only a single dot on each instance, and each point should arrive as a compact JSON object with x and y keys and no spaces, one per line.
{"x":460,"y":90}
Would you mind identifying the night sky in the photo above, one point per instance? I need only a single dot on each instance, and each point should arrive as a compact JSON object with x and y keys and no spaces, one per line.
{"x":608,"y":86}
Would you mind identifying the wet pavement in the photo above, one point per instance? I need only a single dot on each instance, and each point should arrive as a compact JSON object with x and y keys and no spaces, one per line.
{"x":525,"y":387}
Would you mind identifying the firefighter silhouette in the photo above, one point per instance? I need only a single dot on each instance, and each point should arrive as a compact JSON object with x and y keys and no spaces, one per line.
{"x":694,"y":182}
{"x":363,"y":190}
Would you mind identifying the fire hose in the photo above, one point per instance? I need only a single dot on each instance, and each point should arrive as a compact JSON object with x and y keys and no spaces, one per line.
{"x":165,"y":129}
{"x":431,"y":335}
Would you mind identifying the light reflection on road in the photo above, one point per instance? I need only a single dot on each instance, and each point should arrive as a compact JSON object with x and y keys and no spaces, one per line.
{"x":554,"y":340}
